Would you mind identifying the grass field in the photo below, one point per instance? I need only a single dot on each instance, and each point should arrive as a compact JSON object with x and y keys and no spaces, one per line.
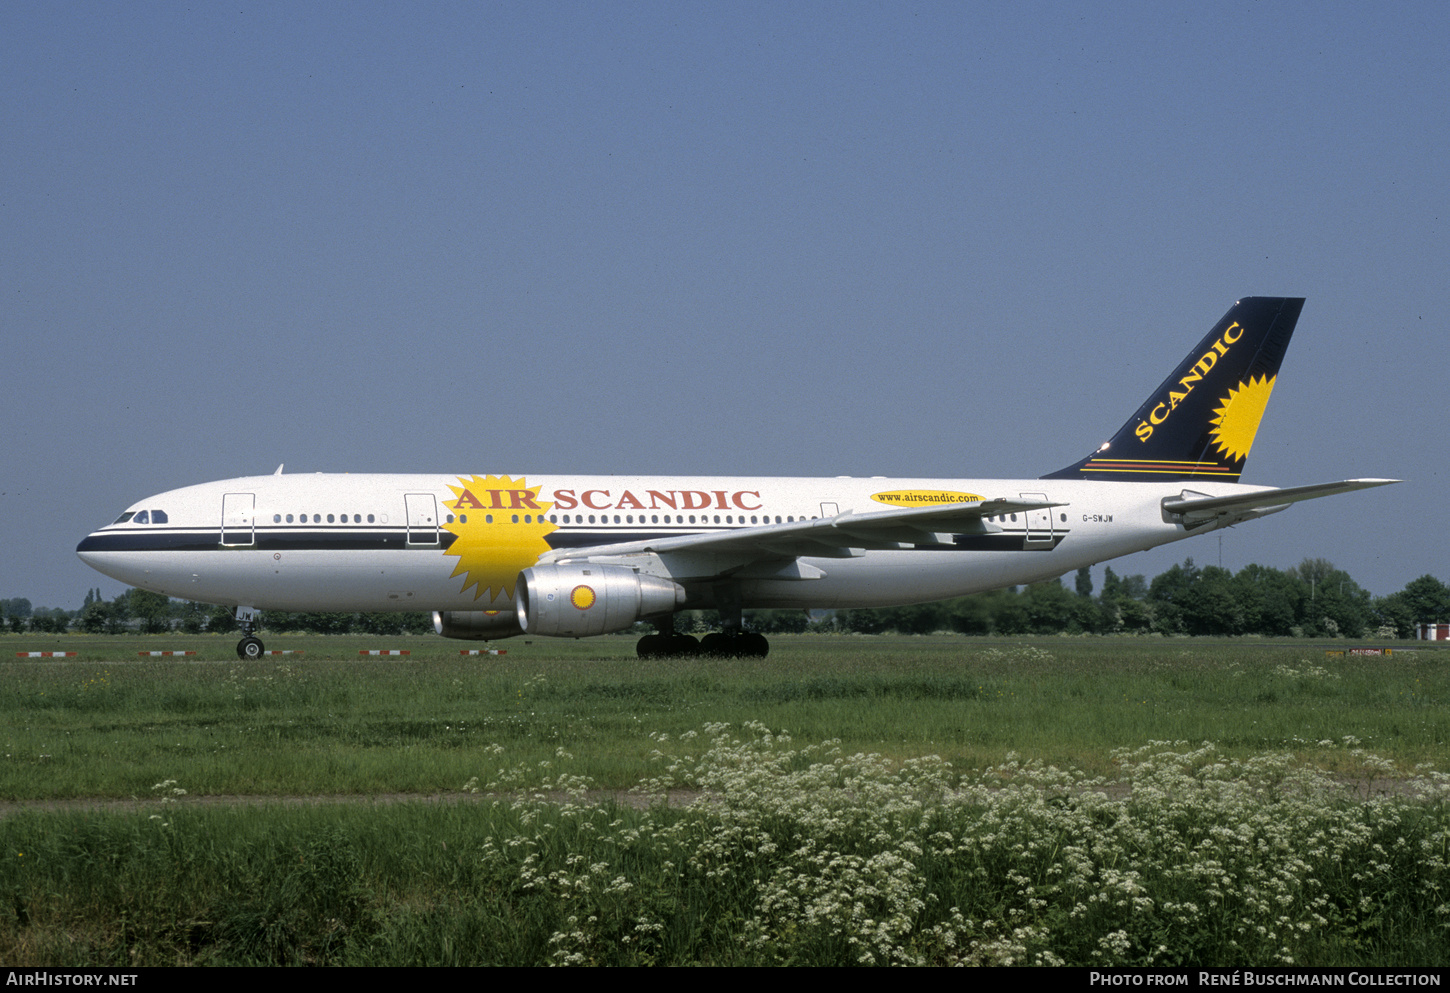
{"x":858,"y":798}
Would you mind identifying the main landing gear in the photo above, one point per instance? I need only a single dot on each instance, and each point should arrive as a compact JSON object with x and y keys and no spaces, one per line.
{"x":730,"y":643}
{"x":249,"y":648}
{"x":745,"y":644}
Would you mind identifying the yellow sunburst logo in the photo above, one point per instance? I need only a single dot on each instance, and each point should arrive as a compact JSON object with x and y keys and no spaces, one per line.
{"x":582,"y":597}
{"x":1238,"y":419}
{"x":499,"y":525}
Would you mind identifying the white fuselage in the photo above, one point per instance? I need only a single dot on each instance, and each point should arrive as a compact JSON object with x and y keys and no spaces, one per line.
{"x":397,"y":542}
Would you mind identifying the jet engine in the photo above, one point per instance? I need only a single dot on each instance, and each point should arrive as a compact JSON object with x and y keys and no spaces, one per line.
{"x":476,"y":625}
{"x":575,"y":601}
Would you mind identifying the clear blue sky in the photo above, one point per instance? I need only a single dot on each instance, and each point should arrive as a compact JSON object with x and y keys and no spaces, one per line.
{"x":798,"y":239}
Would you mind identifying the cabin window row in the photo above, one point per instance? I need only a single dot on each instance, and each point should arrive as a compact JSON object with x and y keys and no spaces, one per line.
{"x":159,"y":517}
{"x":678,"y":519}
{"x":156,"y":516}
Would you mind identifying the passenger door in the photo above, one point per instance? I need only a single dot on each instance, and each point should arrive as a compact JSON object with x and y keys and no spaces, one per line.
{"x":238,"y":518}
{"x":422,"y":518}
{"x":1039,"y":524}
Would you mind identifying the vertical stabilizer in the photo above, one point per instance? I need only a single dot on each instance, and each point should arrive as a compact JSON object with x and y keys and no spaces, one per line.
{"x":1200,"y":424}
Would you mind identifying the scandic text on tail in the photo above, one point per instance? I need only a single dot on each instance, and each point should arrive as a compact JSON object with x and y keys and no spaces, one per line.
{"x":1200,"y":423}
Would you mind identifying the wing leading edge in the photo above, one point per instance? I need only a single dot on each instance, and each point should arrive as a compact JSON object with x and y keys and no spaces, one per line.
{"x":840,"y":536}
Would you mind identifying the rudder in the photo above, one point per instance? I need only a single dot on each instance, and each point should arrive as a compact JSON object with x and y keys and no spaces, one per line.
{"x":1200,"y":423}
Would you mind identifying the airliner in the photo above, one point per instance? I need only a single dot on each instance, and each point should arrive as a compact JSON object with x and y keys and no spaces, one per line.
{"x":568,"y":556}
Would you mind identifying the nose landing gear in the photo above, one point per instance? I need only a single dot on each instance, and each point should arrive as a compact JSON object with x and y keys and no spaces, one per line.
{"x":249,"y":648}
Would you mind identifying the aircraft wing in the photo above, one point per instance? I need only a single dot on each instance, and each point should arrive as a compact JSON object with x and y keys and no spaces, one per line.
{"x":1197,"y":508}
{"x":840,"y":536}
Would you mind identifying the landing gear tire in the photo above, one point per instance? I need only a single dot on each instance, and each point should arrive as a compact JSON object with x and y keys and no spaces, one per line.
{"x":684,"y":645}
{"x":249,"y":648}
{"x":716,"y":646}
{"x":666,"y":646}
{"x":732,"y":646}
{"x":755,"y":646}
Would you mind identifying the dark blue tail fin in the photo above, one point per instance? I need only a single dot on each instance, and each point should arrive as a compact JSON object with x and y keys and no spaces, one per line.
{"x":1201,"y":422}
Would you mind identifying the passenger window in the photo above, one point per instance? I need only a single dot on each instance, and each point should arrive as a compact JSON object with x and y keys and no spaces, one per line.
{"x":329,"y":518}
{"x":276,"y":518}
{"x":370,"y":518}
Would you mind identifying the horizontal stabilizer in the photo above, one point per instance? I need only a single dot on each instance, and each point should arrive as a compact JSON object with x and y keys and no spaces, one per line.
{"x":1196,"y":508}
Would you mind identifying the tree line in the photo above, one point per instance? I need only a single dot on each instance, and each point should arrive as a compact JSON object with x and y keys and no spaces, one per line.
{"x":136,"y":611}
{"x":1312,"y":600}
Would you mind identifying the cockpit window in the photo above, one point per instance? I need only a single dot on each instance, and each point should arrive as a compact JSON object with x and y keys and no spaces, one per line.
{"x":152,"y":516}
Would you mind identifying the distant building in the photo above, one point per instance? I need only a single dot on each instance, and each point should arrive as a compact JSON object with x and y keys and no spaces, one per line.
{"x":1433,"y":632}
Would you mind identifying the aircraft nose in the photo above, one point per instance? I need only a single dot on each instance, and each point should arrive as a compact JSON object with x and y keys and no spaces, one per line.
{"x":84,"y":550}
{"x":90,"y":551}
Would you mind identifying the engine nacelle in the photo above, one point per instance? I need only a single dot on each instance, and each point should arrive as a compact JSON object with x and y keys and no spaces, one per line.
{"x":476,"y":625}
{"x":576,"y":601}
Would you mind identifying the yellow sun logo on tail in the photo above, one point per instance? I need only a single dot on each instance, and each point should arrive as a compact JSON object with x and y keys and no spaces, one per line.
{"x":499,"y":526}
{"x":1238,"y":419}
